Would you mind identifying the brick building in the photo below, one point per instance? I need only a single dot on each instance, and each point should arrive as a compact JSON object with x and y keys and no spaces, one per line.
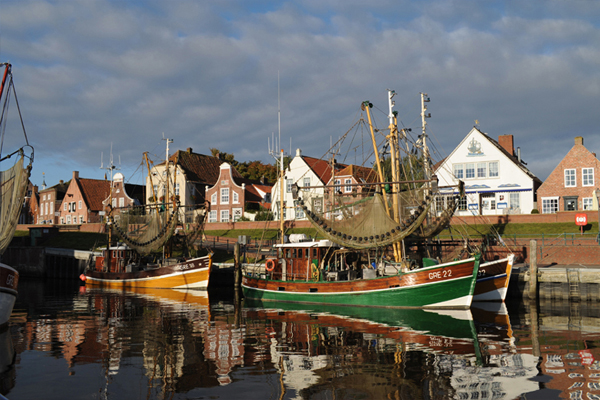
{"x":231,"y":195}
{"x":83,"y":200}
{"x":124,"y":195}
{"x":50,"y":200}
{"x":573,"y":184}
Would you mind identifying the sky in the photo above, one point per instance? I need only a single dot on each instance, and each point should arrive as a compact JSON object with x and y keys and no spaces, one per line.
{"x":101,"y":77}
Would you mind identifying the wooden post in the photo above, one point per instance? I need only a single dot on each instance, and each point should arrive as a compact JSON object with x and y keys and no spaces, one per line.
{"x":237,"y":265}
{"x":533,"y":278}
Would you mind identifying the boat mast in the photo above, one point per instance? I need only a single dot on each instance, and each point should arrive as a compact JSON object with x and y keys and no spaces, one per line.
{"x":426,"y":155}
{"x":169,"y":141}
{"x":393,"y":143}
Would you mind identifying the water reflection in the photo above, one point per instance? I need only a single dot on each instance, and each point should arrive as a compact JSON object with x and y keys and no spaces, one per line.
{"x":72,"y":343}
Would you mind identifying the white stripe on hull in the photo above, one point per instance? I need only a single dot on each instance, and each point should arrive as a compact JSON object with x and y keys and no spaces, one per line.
{"x":492,"y":295}
{"x":460,"y":302}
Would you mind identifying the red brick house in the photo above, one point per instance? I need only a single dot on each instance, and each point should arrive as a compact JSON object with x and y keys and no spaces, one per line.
{"x":83,"y":200}
{"x":30,"y":205}
{"x":124,"y":195}
{"x":50,"y":200}
{"x":573,"y":184}
{"x":232,"y":194}
{"x":344,"y":179}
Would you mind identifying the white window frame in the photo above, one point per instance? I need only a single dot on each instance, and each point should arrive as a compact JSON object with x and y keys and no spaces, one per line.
{"x":121,"y":201}
{"x":515,"y":200}
{"x":459,"y":171}
{"x":224,"y":196}
{"x":470,"y":167}
{"x":493,"y":172}
{"x":306,"y":181}
{"x":348,"y":188}
{"x":212,"y":217}
{"x":237,"y":213}
{"x":288,"y":185}
{"x":224,"y":215}
{"x":587,"y":203}
{"x":587,"y":176}
{"x":550,"y":205}
{"x":482,"y":170}
{"x":80,"y":204}
{"x":571,"y":177}
{"x":214,"y":198}
{"x":236,"y":198}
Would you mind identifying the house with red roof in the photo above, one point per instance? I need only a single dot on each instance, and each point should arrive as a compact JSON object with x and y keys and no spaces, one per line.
{"x":233,"y":197}
{"x":50,"y":200}
{"x":574,"y":183}
{"x":82,"y":202}
{"x":188,"y":176}
{"x":305,"y":172}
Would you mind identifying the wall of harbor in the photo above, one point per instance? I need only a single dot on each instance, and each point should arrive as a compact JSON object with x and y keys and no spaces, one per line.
{"x":46,"y":262}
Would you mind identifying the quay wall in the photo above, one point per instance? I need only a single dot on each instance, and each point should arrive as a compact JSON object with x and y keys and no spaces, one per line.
{"x":46,"y":262}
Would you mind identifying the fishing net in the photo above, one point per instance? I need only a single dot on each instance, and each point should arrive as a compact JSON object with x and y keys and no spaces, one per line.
{"x":146,"y":230}
{"x":12,"y":194}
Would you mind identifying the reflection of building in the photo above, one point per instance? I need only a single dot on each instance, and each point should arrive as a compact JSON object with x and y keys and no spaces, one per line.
{"x":224,"y":344}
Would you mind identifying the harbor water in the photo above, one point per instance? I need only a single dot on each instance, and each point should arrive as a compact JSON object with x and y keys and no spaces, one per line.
{"x":65,"y":341}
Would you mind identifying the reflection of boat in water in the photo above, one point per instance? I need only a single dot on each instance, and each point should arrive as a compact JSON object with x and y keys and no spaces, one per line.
{"x":427,"y":330}
{"x":7,"y":361}
{"x":493,"y":279}
{"x":333,"y":350}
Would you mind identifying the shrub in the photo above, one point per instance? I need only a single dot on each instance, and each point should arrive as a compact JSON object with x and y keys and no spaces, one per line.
{"x":535,"y":211}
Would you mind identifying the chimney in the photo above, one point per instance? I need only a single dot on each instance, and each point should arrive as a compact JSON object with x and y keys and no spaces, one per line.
{"x":75,"y":175}
{"x":298,"y":153}
{"x":189,"y":150}
{"x":579,"y":140}
{"x":61,"y":181}
{"x":506,"y":141}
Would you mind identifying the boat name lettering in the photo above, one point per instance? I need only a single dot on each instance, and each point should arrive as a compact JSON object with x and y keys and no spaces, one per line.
{"x":186,"y":266}
{"x":10,"y":280}
{"x":447,"y":273}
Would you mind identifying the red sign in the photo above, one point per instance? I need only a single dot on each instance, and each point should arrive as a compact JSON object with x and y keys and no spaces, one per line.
{"x":581,"y":219}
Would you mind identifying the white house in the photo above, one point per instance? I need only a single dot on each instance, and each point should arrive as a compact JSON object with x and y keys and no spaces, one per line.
{"x":303,"y":171}
{"x":496,"y":179}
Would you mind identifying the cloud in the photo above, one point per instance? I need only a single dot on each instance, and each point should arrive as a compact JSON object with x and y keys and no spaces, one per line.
{"x":91,"y":73}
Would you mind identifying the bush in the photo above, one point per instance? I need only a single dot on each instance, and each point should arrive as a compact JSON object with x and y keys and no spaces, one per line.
{"x":535,"y":211}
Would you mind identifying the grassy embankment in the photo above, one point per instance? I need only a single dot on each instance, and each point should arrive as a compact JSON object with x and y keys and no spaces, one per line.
{"x":89,"y":240}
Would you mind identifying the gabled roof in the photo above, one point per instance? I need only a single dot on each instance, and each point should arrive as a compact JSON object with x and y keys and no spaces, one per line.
{"x":322,"y":168}
{"x":93,"y":192}
{"x":60,"y":189}
{"x":136,"y":192}
{"x":359,"y":173}
{"x":495,"y":143}
{"x":199,"y":167}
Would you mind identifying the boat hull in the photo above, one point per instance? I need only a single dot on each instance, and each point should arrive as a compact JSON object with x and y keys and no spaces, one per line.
{"x":493,"y":279}
{"x":9,"y":279}
{"x":191,"y":274}
{"x":449,"y":285}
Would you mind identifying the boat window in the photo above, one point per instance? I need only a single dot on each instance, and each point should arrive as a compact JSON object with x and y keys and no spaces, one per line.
{"x":288,"y":253}
{"x":314,"y":253}
{"x":307,"y":253}
{"x":293,"y":253}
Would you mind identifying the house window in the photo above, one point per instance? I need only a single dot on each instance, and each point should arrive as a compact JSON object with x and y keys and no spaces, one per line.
{"x":236,"y":198}
{"x":65,"y":206}
{"x":121,"y":201}
{"x":81,"y":219}
{"x":306,"y":182}
{"x":570,"y":176}
{"x":337,"y":183}
{"x":488,"y":201}
{"x":225,"y":196}
{"x":80,"y":202}
{"x":588,"y":202}
{"x":62,"y":221}
{"x":225,"y":182}
{"x":212,"y":216}
{"x":493,"y":169}
{"x":462,"y":203}
{"x":588,"y":176}
{"x":515,"y":200}
{"x":46,"y":206}
{"x":348,"y":188}
{"x":177,"y":189}
{"x":114,"y":202}
{"x":213,"y":198}
{"x":459,"y":172}
{"x":44,"y":197}
{"x":51,"y":207}
{"x":224,"y":215}
{"x":68,"y":219}
{"x":481,"y":170}
{"x":237,"y":214}
{"x":570,"y":203}
{"x":300,"y":212}
{"x":470,"y":171}
{"x":288,"y":185}
{"x":549,"y":205}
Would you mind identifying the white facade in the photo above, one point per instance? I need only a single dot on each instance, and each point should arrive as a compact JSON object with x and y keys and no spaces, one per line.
{"x":496,"y":182}
{"x":300,"y":173}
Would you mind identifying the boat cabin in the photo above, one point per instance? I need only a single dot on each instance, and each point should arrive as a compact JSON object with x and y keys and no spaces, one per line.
{"x":312,"y":260}
{"x":120,"y":256}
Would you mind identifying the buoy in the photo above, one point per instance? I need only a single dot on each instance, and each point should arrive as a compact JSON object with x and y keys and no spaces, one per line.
{"x":270,"y":265}
{"x":82,"y":277}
